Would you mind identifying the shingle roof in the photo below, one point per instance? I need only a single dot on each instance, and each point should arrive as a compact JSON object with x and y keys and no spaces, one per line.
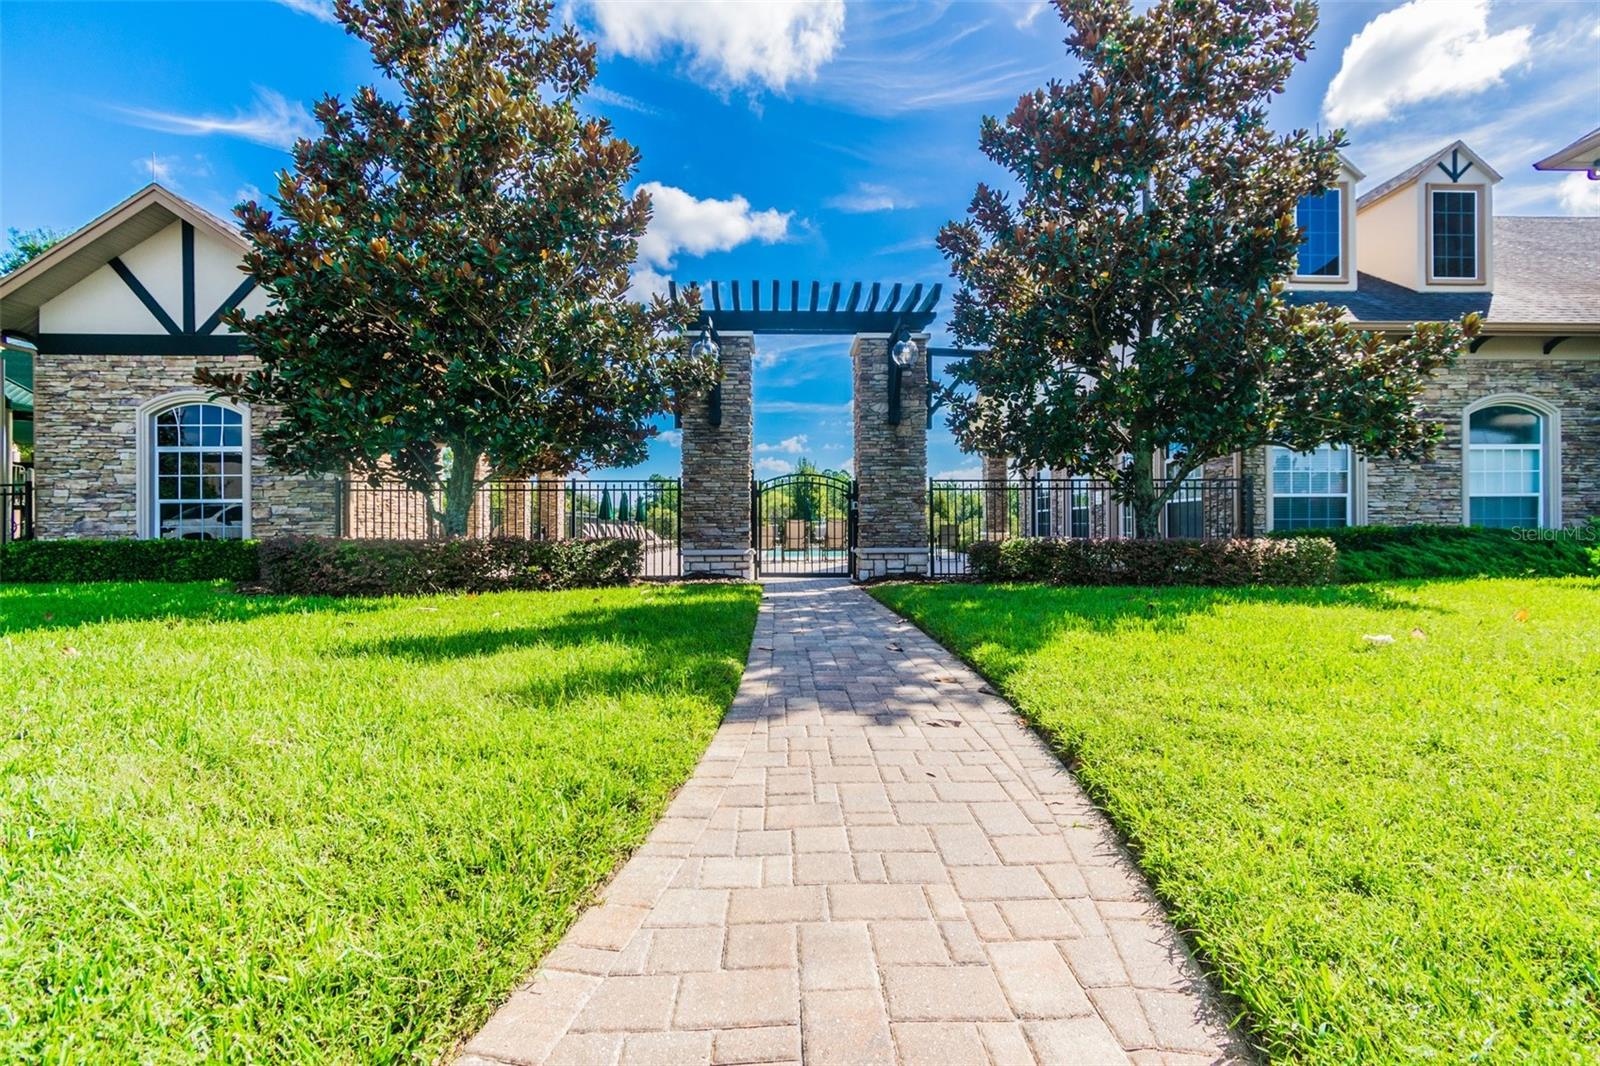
{"x":1545,"y":270}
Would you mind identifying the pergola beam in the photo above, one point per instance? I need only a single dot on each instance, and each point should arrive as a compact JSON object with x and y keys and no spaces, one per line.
{"x":839,"y":311}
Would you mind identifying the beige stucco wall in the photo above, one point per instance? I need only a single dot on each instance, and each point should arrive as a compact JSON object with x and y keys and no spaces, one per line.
{"x":102,"y":303}
{"x":1394,"y":232}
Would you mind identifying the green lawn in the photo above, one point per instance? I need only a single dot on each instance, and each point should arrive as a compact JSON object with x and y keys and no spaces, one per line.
{"x":1388,"y":851}
{"x":268,"y":829}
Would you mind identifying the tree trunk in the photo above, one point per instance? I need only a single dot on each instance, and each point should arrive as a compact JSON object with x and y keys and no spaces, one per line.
{"x":460,"y":490}
{"x":1146,"y":502}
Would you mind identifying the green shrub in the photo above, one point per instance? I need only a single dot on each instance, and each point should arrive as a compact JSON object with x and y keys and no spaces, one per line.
{"x":128,"y":560}
{"x":1381,"y":553}
{"x":1301,"y":561}
{"x":331,"y":567}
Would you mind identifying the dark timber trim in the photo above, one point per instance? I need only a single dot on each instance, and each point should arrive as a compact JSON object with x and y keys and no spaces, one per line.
{"x":137,"y":288}
{"x":1550,"y":345}
{"x":139,"y":344}
{"x":234,"y":299}
{"x":836,"y":310}
{"x":188,"y":277}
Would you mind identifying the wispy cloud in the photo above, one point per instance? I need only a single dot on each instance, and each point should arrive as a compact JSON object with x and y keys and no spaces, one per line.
{"x":800,"y":407}
{"x":911,"y":244}
{"x":774,"y":467}
{"x":172,"y":170}
{"x":1030,"y":14}
{"x":321,"y":10}
{"x":622,"y":100}
{"x":271,"y":120}
{"x":787,"y":446}
{"x":1421,"y":51}
{"x":868,"y":197}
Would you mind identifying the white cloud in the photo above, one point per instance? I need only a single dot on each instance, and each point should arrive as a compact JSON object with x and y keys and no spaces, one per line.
{"x":1579,"y":195}
{"x":622,"y":100}
{"x":1030,"y":14}
{"x":321,"y":10}
{"x":774,"y":466}
{"x":172,"y":170}
{"x":960,"y":473}
{"x":1422,"y":50}
{"x":672,"y":438}
{"x":731,"y":43}
{"x":683,"y":223}
{"x":271,"y":120}
{"x":800,"y":407}
{"x":788,"y":446}
{"x":867,"y":197}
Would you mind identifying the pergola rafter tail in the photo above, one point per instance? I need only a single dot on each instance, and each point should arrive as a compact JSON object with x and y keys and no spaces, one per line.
{"x":736,"y":306}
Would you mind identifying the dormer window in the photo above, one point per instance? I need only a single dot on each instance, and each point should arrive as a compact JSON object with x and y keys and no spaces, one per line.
{"x":1320,"y":217}
{"x":1455,"y":229}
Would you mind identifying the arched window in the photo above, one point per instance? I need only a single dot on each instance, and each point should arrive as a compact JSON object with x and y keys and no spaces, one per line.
{"x":1506,"y":469}
{"x":197,"y":463}
{"x":1310,"y":490}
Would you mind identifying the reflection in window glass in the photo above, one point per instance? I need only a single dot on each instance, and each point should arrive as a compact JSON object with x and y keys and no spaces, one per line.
{"x":1505,"y":475}
{"x":199,"y":473}
{"x":1310,"y":490}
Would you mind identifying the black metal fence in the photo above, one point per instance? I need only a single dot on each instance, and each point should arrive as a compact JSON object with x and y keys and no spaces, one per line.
{"x":16,"y":506}
{"x":803,"y":523}
{"x":961,"y":513}
{"x":646,"y":510}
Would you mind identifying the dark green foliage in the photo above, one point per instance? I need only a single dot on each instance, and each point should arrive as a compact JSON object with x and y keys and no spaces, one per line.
{"x":448,"y":265}
{"x":1125,"y":301}
{"x":1300,"y":561}
{"x":128,"y":560}
{"x":329,"y":567}
{"x":1378,"y":553}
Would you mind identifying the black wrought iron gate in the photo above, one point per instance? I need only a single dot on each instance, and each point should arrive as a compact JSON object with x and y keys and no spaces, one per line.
{"x":803,"y":523}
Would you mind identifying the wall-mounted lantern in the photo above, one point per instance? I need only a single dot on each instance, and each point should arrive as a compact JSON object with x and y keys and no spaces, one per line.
{"x":706,"y":347}
{"x":901,"y":355}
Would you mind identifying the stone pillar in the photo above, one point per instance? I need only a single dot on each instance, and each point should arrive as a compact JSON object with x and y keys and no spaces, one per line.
{"x":996,"y":505}
{"x":891,"y":463}
{"x":716,"y":471}
{"x":550,"y":522}
{"x":514,"y":508}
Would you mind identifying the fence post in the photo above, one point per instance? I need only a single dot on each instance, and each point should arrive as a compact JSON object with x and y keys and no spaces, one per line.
{"x":1248,"y":494}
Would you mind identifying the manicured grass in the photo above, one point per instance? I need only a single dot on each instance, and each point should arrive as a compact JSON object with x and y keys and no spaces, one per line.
{"x":1389,"y":851}
{"x":273,"y":829}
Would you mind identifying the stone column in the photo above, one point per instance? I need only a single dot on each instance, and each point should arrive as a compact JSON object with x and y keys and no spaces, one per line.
{"x":891,"y":463}
{"x":996,"y":506}
{"x":716,"y":471}
{"x":550,"y":507}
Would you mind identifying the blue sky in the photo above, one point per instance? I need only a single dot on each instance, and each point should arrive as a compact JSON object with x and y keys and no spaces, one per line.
{"x":789,"y":138}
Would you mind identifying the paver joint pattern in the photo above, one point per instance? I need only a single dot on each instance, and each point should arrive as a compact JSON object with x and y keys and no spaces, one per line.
{"x":875,"y":861}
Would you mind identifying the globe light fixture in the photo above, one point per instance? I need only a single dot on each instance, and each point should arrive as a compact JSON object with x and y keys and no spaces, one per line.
{"x":903,"y":351}
{"x":705,"y":347}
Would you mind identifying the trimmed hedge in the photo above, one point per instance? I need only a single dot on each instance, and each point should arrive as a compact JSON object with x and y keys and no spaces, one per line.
{"x":326,"y":566}
{"x":128,"y":560}
{"x":1381,"y":553}
{"x":1302,"y":561}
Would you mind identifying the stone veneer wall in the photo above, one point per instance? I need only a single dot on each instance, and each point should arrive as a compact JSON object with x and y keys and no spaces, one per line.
{"x":1430,"y":492}
{"x":891,"y":463}
{"x":85,"y":449}
{"x":717,"y":471}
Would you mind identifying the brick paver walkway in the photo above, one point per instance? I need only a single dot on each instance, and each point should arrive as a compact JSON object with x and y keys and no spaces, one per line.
{"x":874,"y":862}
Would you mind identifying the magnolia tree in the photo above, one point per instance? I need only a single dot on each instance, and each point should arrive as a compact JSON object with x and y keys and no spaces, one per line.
{"x":1128,"y":298}
{"x":448,"y":263}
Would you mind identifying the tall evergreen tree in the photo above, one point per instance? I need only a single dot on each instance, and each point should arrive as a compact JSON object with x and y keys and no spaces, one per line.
{"x":448,"y":266}
{"x":1130,"y":297}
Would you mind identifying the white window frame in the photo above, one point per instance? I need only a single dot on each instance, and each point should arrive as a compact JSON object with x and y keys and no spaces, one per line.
{"x":1480,"y":251}
{"x":1549,"y":447}
{"x":1354,"y":497}
{"x":146,"y":525}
